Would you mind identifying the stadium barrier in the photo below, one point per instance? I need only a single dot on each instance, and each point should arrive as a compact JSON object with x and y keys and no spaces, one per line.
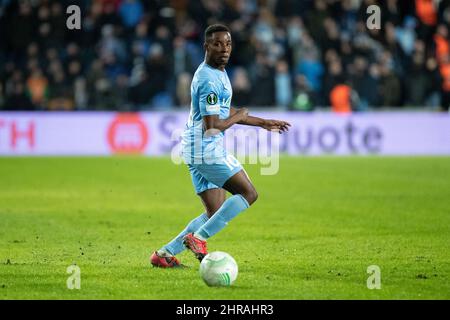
{"x":157,"y":133}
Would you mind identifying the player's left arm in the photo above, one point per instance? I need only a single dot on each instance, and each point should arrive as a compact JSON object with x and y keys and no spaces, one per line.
{"x":268,"y":124}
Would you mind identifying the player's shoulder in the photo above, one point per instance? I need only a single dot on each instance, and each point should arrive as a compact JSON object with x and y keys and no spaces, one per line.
{"x":205,"y":74}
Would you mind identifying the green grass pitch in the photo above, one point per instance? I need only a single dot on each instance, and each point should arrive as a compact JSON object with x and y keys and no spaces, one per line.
{"x":316,"y":227}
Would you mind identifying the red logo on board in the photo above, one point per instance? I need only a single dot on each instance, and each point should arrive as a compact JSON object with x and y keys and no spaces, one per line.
{"x":128,"y":134}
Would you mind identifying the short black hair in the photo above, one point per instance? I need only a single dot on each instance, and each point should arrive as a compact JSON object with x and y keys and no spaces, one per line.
{"x":215,"y":28}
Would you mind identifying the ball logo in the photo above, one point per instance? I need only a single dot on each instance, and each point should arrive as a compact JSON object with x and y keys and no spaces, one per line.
{"x":128,"y":134}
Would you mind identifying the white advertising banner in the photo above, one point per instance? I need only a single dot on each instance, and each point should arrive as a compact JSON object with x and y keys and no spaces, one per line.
{"x":156,"y":133}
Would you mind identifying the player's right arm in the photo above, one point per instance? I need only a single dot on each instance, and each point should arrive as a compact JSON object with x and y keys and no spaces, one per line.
{"x":268,"y":124}
{"x":213,"y":122}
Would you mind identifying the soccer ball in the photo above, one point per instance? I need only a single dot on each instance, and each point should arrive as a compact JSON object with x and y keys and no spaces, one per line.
{"x":218,"y":269}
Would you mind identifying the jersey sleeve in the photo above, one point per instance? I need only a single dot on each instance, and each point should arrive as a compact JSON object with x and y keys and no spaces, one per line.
{"x":209,"y":97}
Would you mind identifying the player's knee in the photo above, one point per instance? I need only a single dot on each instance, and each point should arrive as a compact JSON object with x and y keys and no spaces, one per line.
{"x":254,"y":197}
{"x":251,"y":196}
{"x":210,"y":213}
{"x":212,"y":210}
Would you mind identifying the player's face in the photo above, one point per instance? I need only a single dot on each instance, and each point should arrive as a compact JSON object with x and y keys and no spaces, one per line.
{"x":218,"y":48}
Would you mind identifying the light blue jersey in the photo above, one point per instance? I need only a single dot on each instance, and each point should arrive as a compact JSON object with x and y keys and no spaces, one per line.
{"x":208,"y":162}
{"x":211,"y":94}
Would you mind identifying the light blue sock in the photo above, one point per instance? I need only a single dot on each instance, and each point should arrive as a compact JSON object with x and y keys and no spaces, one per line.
{"x":176,"y":245}
{"x":229,"y":209}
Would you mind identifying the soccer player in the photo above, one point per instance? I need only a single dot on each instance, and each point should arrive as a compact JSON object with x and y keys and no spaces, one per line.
{"x":212,"y":169}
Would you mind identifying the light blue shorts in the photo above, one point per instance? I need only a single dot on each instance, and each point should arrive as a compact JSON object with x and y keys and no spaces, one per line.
{"x":210,"y":176}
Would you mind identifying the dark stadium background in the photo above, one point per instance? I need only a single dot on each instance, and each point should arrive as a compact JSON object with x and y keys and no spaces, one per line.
{"x":133,"y":55}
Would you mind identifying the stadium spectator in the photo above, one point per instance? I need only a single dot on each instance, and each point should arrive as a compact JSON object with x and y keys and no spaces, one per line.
{"x":18,"y":100}
{"x":416,"y":86}
{"x":334,"y":77}
{"x":139,"y":93}
{"x":315,"y":21}
{"x":303,"y":97}
{"x":22,"y":16}
{"x":312,"y":68}
{"x":241,"y":87}
{"x":183,"y":89}
{"x":364,"y":82}
{"x":390,"y":85}
{"x":283,"y":86}
{"x":262,"y":76}
{"x":442,"y":42}
{"x":131,"y":12}
{"x":406,"y":36}
{"x":57,"y":21}
{"x":60,"y":93}
{"x":426,"y":11}
{"x":445,"y":87}
{"x":37,"y":86}
{"x":341,"y":98}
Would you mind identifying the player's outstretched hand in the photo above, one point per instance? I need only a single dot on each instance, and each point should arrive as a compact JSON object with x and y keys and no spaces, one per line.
{"x":276,"y":125}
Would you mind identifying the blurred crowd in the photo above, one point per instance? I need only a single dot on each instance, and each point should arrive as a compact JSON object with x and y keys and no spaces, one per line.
{"x":134,"y":55}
